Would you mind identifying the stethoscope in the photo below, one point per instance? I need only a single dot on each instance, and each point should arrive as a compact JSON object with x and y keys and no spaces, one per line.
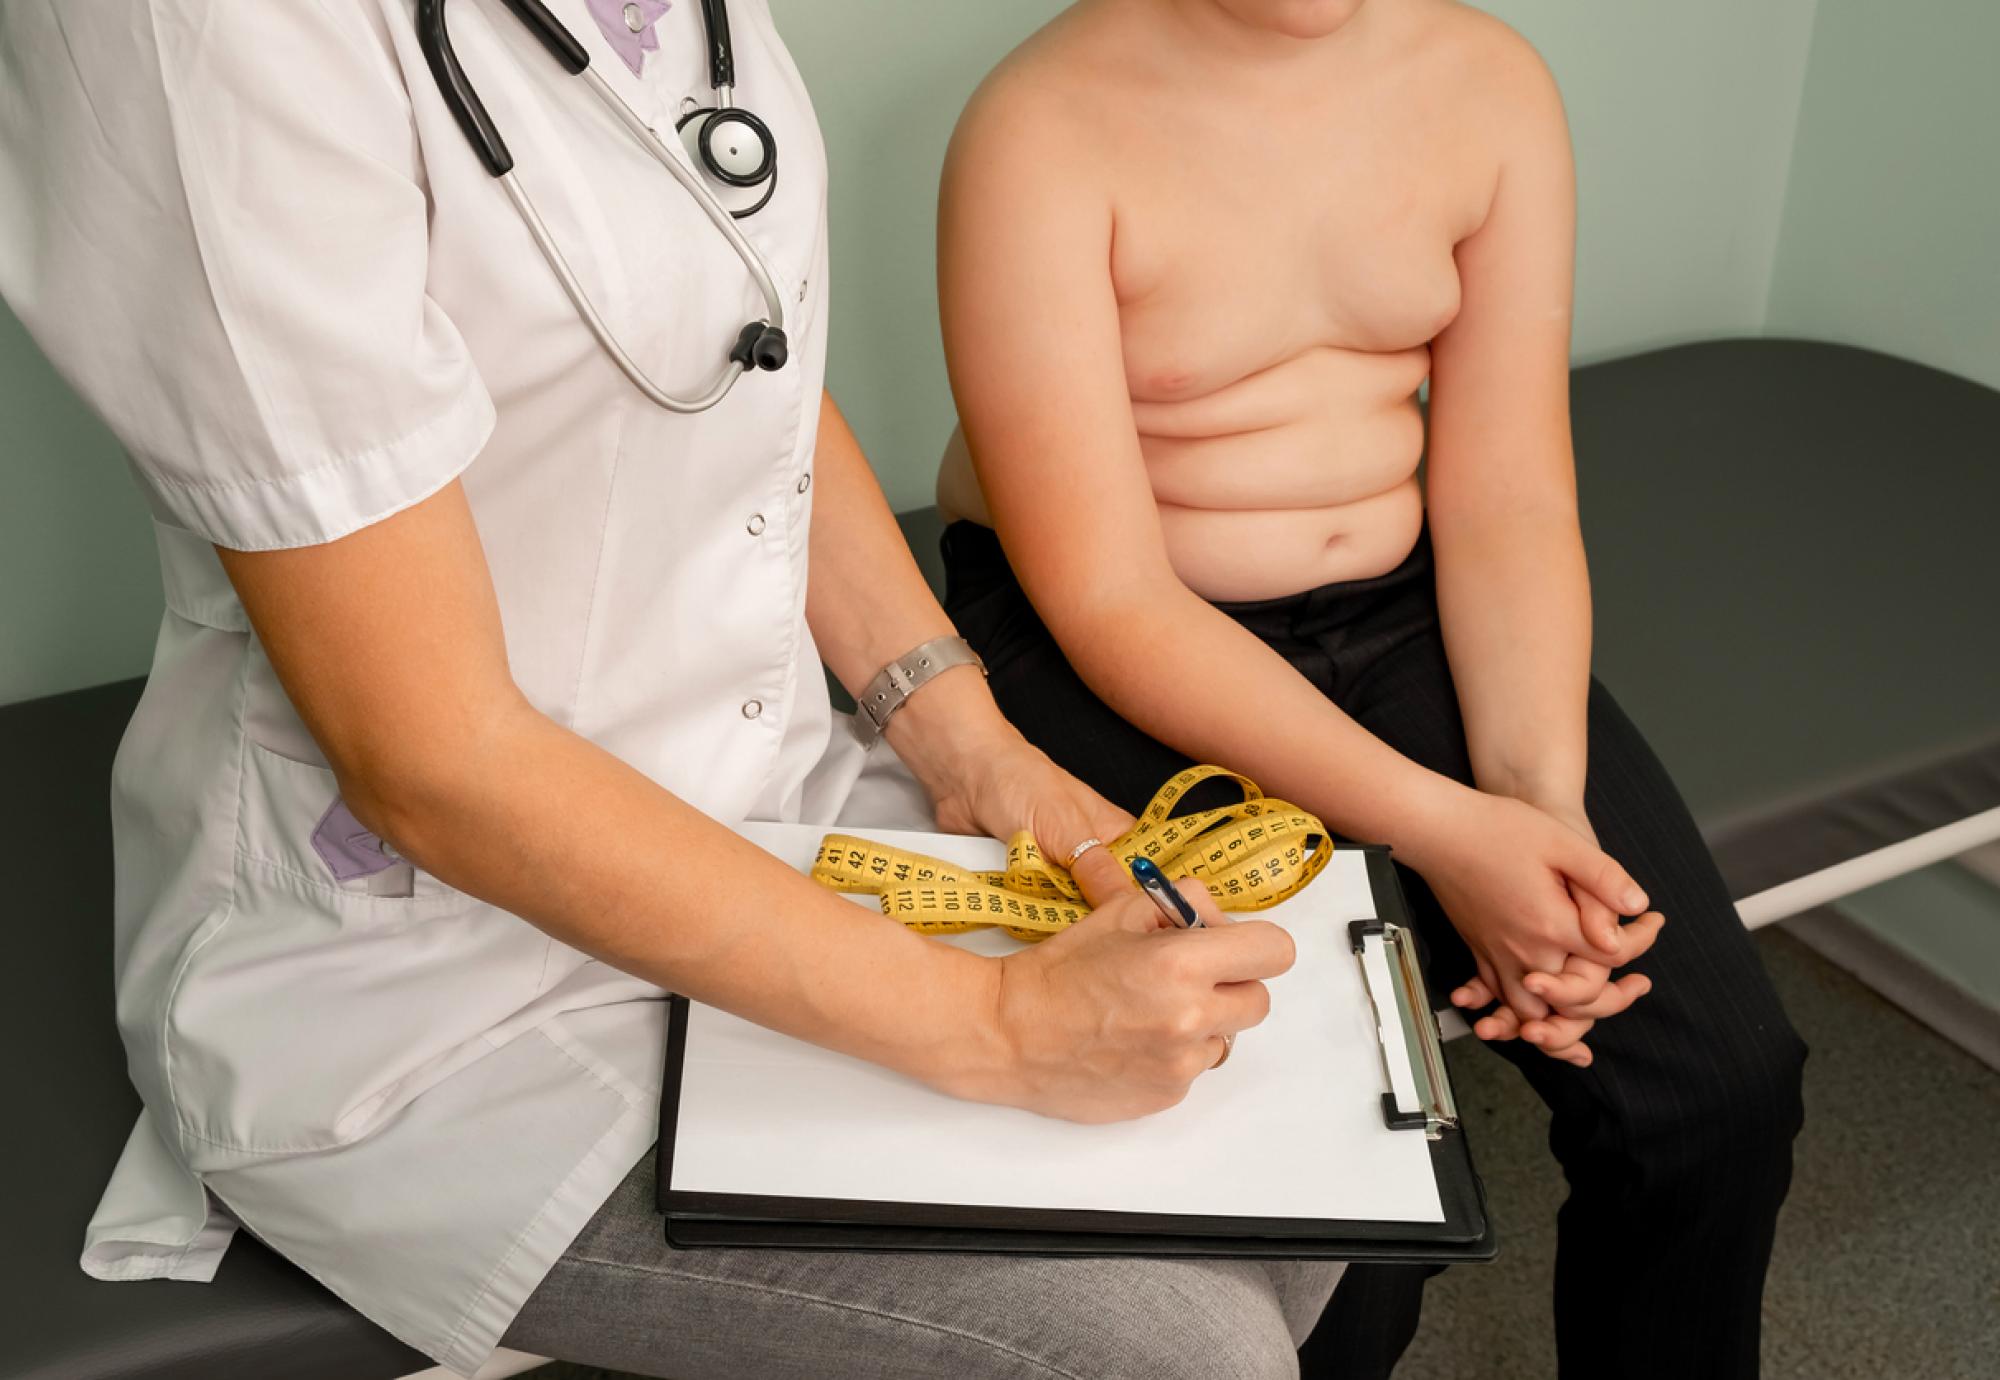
{"x":732,"y":145}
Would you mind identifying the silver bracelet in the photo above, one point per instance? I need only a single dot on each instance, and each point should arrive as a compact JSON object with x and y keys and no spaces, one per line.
{"x":903,"y":677}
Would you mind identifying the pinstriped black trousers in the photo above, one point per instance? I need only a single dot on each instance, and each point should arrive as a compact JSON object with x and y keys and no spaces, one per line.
{"x":1676,"y":1142}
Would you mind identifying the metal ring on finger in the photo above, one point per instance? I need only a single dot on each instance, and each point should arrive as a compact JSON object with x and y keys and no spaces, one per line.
{"x":1228,"y":1048}
{"x":1078,"y":851}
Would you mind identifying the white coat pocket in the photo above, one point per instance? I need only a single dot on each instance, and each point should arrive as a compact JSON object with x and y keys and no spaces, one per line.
{"x":339,"y":985}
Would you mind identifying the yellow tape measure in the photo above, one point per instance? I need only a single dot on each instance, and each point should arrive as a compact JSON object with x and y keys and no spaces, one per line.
{"x":1250,"y":855}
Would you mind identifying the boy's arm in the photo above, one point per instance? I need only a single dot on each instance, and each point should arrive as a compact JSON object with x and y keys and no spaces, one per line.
{"x":1513,"y":590}
{"x":1513,"y":586}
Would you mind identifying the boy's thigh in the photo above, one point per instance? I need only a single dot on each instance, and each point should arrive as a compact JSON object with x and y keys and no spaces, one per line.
{"x":622,"y":1298}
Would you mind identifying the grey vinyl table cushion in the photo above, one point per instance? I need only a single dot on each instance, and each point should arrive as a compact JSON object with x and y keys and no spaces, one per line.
{"x":1795,"y":567}
{"x":1795,"y":554}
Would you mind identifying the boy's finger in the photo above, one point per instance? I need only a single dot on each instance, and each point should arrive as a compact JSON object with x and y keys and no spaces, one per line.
{"x":1472,"y":995}
{"x":1639,"y":936}
{"x":1561,"y":1038}
{"x":1598,"y":922}
{"x":1502,"y":1024}
{"x":1617,"y":997}
{"x":1580,"y":981}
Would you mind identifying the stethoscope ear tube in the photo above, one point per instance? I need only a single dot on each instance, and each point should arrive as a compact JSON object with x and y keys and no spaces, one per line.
{"x":560,"y":42}
{"x":721,"y":51}
{"x":459,"y":97}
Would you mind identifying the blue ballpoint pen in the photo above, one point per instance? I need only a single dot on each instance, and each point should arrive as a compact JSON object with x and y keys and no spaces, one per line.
{"x":1165,"y":894}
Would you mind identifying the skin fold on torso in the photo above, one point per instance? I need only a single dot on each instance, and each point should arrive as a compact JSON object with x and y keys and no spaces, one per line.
{"x":1282,"y":259}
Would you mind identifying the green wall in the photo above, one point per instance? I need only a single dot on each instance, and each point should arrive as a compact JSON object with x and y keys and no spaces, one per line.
{"x":1891,"y":233}
{"x":79,"y":580}
{"x":1684,"y":116}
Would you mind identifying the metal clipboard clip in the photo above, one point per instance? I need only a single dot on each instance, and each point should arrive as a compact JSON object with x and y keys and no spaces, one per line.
{"x":1406,"y":1030}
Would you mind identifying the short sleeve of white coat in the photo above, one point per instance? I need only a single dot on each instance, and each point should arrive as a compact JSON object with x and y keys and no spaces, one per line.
{"x":213,"y":220}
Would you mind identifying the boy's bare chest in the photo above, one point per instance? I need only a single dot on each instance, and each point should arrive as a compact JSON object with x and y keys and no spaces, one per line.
{"x":1237,"y":249}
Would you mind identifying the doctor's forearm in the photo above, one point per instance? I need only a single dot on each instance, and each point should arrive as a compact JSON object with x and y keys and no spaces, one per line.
{"x":867,"y":602}
{"x":546,"y":825}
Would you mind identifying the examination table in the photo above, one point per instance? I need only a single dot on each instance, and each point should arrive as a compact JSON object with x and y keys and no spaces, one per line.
{"x":1796,"y":555}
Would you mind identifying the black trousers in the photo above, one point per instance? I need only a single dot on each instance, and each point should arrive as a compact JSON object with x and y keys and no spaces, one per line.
{"x":1676,"y":1141}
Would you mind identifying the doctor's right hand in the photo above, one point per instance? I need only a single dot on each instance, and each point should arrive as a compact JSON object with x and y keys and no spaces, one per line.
{"x":1117,"y":1016}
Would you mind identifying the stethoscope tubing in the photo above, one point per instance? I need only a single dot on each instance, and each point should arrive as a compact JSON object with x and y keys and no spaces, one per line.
{"x":718,"y":216}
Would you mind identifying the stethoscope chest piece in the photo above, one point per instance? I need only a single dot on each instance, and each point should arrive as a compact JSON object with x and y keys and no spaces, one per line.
{"x":733,"y":146}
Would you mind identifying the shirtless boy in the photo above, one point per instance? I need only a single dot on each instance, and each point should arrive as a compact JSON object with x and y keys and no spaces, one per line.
{"x":1196,"y":258}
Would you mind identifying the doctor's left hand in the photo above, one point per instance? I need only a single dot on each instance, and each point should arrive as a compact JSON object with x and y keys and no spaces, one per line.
{"x":1011,"y":786}
{"x":983,"y":777}
{"x":1017,"y":787}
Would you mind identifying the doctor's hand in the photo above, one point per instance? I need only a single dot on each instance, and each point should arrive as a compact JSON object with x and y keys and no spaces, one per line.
{"x":1118,"y":1015}
{"x":1009,"y":785}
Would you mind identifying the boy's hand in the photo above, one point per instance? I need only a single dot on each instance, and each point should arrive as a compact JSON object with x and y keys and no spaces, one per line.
{"x":1581,"y":992}
{"x":1580,"y":996}
{"x":1510,"y":876}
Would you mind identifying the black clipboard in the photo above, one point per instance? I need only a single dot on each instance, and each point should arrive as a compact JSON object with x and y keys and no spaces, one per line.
{"x":695,"y":1220}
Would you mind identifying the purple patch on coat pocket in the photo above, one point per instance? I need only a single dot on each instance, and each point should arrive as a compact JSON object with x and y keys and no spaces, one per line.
{"x":346,"y":847}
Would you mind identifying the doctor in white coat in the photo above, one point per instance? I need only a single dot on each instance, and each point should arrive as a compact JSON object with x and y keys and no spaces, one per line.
{"x":473,"y":649}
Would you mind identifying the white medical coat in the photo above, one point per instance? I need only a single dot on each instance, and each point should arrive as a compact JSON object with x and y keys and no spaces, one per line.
{"x":252,"y":237}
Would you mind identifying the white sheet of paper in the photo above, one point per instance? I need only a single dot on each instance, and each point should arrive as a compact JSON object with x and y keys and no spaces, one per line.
{"x":1291,"y":1127}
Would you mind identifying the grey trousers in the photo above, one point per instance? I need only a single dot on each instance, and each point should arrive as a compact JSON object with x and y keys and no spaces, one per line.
{"x":621,"y":1298}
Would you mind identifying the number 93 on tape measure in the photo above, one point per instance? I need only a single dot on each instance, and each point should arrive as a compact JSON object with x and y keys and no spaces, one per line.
{"x":1250,"y":855}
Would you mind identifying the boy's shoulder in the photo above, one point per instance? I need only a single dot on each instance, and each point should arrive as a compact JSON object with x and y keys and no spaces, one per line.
{"x":1480,"y":48}
{"x":1040,"y":95}
{"x":1056,"y":63}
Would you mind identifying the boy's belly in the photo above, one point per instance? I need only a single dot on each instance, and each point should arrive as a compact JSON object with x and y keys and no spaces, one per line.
{"x":1229,"y":554}
{"x":1302,"y":497}
{"x":1297,"y":475}
{"x":1250,"y":526}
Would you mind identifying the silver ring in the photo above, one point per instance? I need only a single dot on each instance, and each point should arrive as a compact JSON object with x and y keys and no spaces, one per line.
{"x":1228,"y":1048}
{"x":1080,"y":850}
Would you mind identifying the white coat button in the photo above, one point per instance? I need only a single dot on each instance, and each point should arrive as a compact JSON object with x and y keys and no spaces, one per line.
{"x":635,"y":18}
{"x":752,"y":708}
{"x":756,"y":525}
{"x":805,"y":481}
